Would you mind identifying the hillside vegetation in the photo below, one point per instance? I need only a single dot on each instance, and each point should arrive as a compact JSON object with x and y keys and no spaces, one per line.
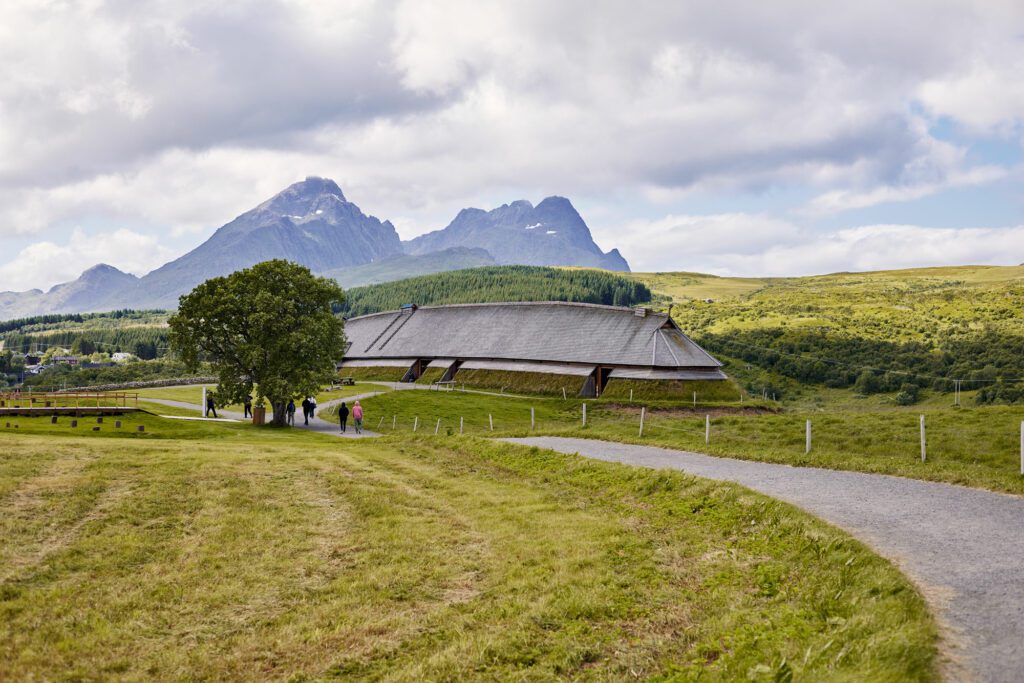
{"x":498,"y":283}
{"x":887,"y":331}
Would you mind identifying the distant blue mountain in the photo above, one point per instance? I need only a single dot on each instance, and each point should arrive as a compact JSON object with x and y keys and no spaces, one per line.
{"x":550,"y":234}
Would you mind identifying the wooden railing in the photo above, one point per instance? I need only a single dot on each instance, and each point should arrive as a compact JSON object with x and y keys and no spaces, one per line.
{"x":87,"y":399}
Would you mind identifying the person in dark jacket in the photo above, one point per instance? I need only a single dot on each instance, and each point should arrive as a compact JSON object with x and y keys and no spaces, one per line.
{"x":290,"y":410}
{"x":211,"y":407}
{"x":343,"y":416}
{"x":248,"y":406}
{"x":305,"y":410}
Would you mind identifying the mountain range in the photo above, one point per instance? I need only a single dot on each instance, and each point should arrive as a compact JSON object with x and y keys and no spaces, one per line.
{"x":312,"y":223}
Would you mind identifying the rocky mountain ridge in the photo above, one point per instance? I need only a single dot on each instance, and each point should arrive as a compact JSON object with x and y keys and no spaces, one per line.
{"x":312,"y":223}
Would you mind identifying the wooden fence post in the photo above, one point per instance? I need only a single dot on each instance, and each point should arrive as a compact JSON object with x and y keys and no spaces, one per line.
{"x":924,"y":451}
{"x":533,"y":419}
{"x":584,"y":414}
{"x":490,"y":419}
{"x":380,"y":423}
{"x":462,"y":424}
{"x":564,"y":398}
{"x":695,"y":399}
{"x":630,"y":395}
{"x":707,"y":429}
{"x":807,"y":448}
{"x":643,"y":413}
{"x":416,"y":423}
{"x":438,"y":427}
{"x":394,"y":421}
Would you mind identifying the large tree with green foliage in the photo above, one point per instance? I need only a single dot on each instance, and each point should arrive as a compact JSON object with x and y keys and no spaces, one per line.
{"x":267,"y":330}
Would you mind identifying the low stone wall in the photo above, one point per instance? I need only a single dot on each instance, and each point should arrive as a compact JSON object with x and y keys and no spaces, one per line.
{"x":146,"y":384}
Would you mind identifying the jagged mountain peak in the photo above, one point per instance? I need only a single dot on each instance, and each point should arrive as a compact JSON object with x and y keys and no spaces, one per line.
{"x":304,"y":197}
{"x":550,"y":234}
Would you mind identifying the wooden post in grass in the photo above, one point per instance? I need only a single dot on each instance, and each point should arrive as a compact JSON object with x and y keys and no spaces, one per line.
{"x":490,"y":419}
{"x":462,"y":424}
{"x":563,"y":394}
{"x":695,"y":399}
{"x":394,"y":421}
{"x":807,"y":448}
{"x":707,"y":429}
{"x":630,"y":395}
{"x":584,"y":414}
{"x":643,"y":414}
{"x":924,"y":451}
{"x":380,"y":423}
{"x":415,"y":423}
{"x":533,"y":419}
{"x":438,"y":427}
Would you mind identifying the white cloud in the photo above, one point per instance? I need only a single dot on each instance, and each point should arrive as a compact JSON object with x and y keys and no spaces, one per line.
{"x":743,"y":244}
{"x":44,"y":264}
{"x":841,"y":200}
{"x":172,"y":118}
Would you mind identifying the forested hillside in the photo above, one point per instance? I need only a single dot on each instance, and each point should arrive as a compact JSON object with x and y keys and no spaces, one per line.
{"x":499,"y":283}
{"x":143,"y":333}
{"x":878,"y":332}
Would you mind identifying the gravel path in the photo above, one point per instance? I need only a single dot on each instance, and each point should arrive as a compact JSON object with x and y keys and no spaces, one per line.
{"x":964,"y":547}
{"x":315,"y":425}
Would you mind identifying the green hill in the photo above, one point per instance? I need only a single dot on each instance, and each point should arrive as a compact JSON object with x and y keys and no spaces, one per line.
{"x":877,"y":331}
{"x":499,"y":283}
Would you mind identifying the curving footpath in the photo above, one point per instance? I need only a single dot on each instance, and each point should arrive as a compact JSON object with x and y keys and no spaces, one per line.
{"x":963,"y":547}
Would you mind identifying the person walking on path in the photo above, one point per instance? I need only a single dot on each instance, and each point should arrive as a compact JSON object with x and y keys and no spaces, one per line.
{"x":290,"y":410}
{"x":248,"y":406}
{"x":343,"y":416}
{"x":357,"y":417}
{"x":211,"y":407}
{"x":305,"y":410}
{"x":312,"y":407}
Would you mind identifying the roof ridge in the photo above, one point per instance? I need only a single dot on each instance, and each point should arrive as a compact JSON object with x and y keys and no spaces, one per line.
{"x":495,"y":304}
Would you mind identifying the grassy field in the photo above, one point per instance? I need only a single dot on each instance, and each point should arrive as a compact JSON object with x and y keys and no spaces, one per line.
{"x":974,"y":446}
{"x":220,"y":551}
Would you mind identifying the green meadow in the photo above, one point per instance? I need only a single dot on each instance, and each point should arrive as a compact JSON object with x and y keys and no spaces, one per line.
{"x":224,"y":551}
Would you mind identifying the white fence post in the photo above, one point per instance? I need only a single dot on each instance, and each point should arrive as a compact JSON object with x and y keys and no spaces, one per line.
{"x":630,"y":395}
{"x":490,"y":419}
{"x":202,"y":406}
{"x":707,"y":429}
{"x":643,"y":412}
{"x":563,"y":394}
{"x":416,"y":423}
{"x":533,"y":419}
{"x":584,"y":414}
{"x":807,"y":449}
{"x":394,"y":421}
{"x":462,"y":424}
{"x":438,"y":427}
{"x":695,"y":399}
{"x":924,"y":451}
{"x":380,"y":423}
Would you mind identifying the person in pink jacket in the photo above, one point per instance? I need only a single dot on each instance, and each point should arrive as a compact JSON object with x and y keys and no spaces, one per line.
{"x":357,"y":417}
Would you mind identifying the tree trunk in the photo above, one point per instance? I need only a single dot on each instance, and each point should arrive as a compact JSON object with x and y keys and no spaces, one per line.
{"x":279,"y":414}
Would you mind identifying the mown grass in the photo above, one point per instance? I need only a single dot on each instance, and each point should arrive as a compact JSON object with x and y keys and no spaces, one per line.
{"x":975,"y":446}
{"x":230,"y":552}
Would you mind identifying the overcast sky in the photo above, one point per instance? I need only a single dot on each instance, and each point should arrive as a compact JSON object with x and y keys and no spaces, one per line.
{"x":748,"y":138}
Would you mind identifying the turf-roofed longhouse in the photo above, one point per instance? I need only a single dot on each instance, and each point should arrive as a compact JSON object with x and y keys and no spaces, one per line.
{"x":594,"y":344}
